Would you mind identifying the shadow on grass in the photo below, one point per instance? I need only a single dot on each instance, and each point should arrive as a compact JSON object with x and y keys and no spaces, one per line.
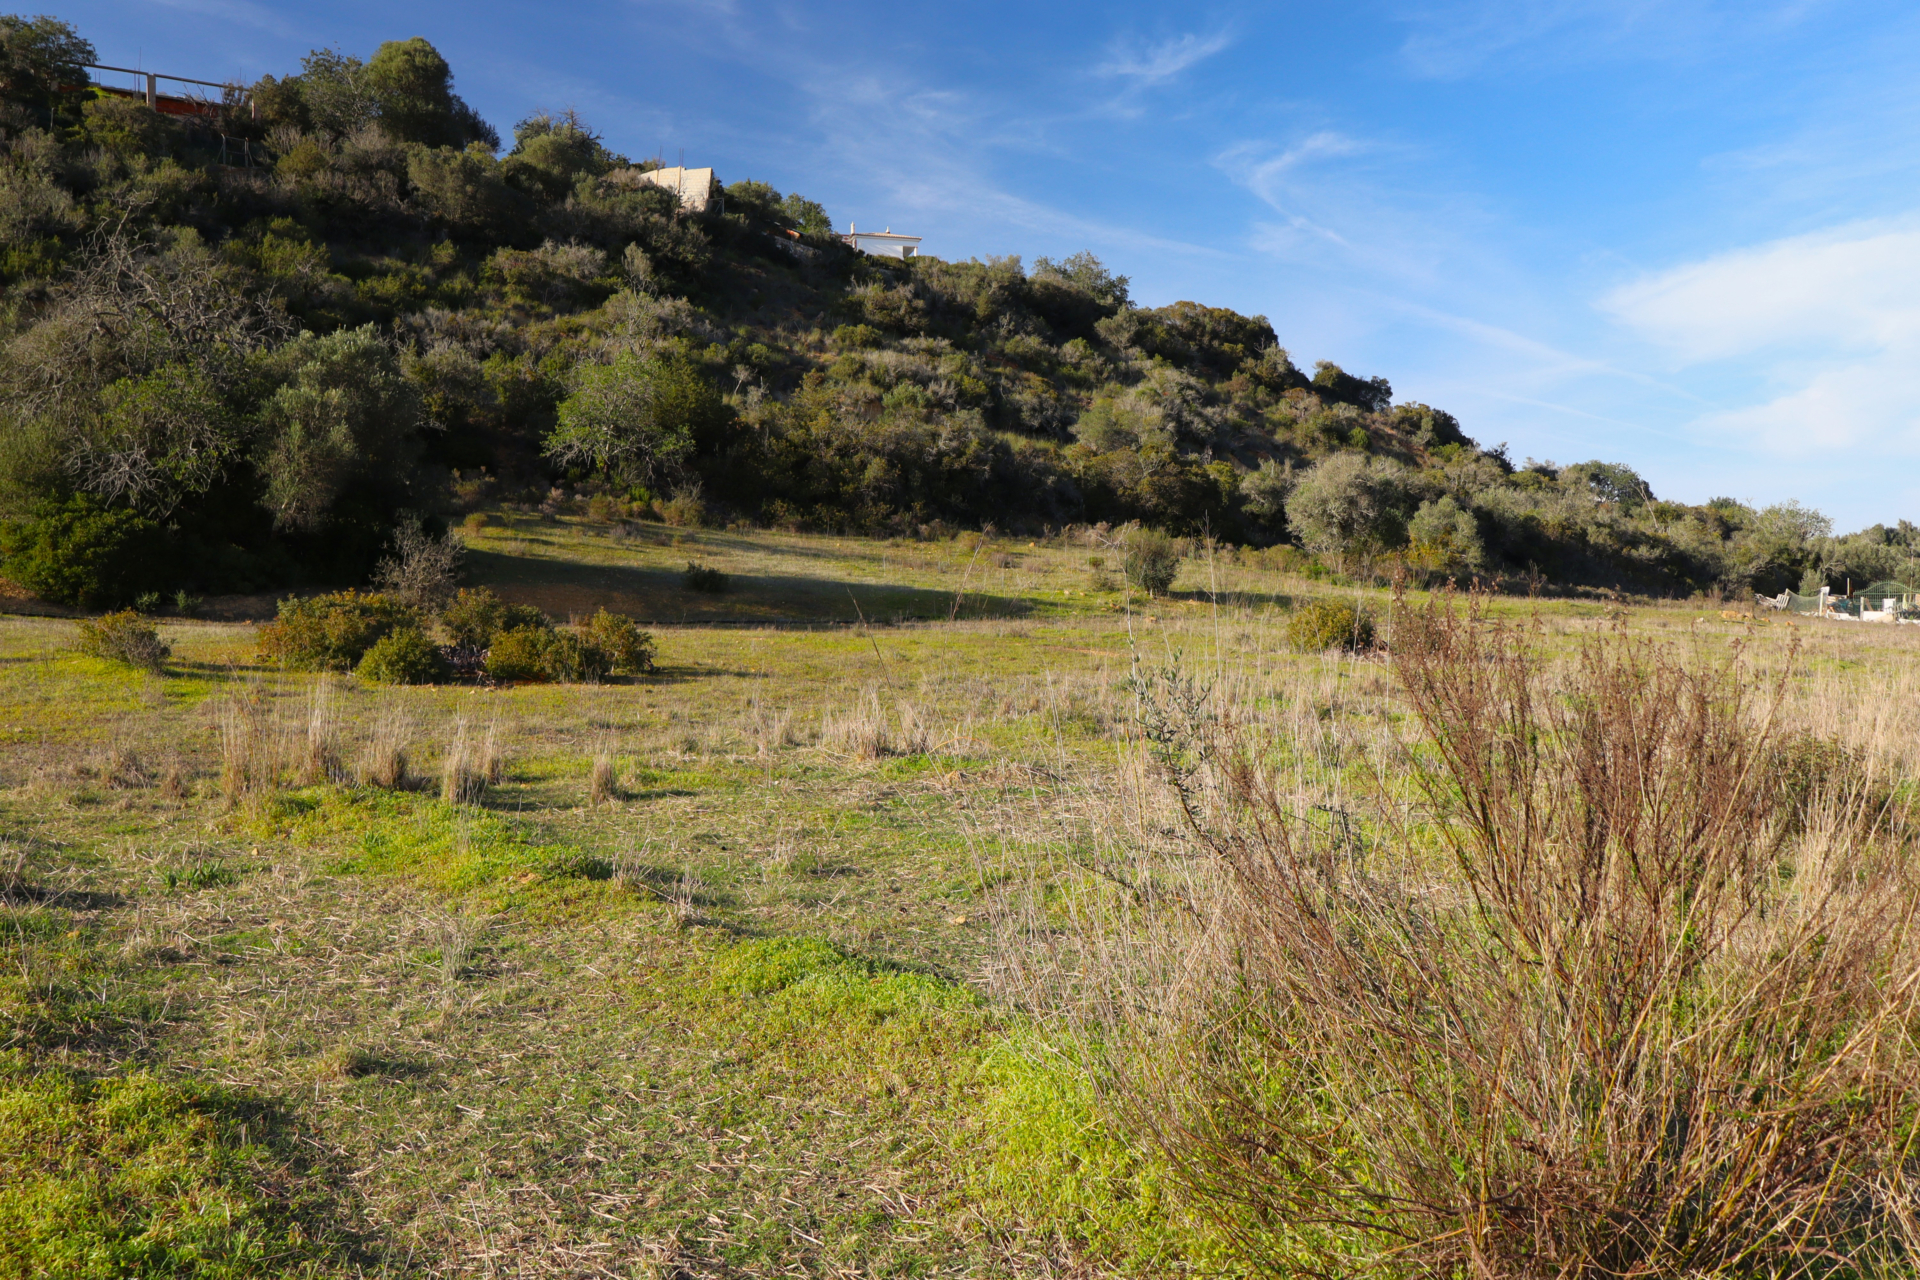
{"x":1240,"y":599}
{"x":656,"y":595}
{"x":660,"y":883}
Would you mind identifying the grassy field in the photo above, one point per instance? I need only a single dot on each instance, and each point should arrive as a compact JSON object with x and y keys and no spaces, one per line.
{"x":749,"y":1004}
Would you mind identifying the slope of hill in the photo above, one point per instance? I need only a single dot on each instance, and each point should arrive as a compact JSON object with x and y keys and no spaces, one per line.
{"x":228,"y":367}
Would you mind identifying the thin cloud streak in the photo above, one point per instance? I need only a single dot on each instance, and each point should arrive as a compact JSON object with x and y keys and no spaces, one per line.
{"x":1159,"y":62}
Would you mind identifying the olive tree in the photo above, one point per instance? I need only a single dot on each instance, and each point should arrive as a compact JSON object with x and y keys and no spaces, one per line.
{"x":633,"y":418}
{"x":344,"y":417}
{"x":412,"y":86}
{"x":1349,"y":505}
{"x":157,"y":440}
{"x":1446,"y":537}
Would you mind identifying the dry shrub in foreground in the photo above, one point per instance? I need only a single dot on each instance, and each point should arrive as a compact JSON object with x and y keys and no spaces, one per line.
{"x":603,"y":783}
{"x":1596,"y":1002}
{"x":322,"y":762}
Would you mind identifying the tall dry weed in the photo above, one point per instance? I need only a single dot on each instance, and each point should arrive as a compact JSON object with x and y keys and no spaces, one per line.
{"x":1587,"y":989}
{"x":250,"y":746}
{"x":603,"y":779}
{"x":469,"y":765}
{"x":322,"y":761}
{"x":384,"y":760}
{"x":866,"y":731}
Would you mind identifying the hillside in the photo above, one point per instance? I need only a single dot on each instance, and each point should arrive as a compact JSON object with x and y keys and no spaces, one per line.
{"x":237,"y":347}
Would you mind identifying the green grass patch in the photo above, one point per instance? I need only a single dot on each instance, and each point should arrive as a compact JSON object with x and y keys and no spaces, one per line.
{"x":441,"y":846}
{"x":138,"y":1176}
{"x":1053,"y":1154}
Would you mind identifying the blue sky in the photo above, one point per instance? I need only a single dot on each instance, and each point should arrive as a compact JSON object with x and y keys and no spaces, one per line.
{"x":1685,"y":236}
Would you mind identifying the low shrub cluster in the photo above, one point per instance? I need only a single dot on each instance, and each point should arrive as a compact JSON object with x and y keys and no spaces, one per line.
{"x":476,"y":616}
{"x":82,"y":553}
{"x":1152,"y":560}
{"x":332,"y":632}
{"x":608,"y":644}
{"x":705,"y":579}
{"x":403,"y":657}
{"x":1330,"y":624}
{"x":124,"y":637}
{"x":386,"y":642}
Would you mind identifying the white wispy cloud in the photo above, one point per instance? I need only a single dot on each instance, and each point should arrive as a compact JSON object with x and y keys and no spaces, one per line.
{"x":1822,"y":330}
{"x":1449,"y":39}
{"x":1352,"y":203}
{"x":1158,"y":61}
{"x":241,"y":12}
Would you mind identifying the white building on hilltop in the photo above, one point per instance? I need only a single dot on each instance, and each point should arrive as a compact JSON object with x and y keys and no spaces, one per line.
{"x":884,"y":244}
{"x":694,"y":187}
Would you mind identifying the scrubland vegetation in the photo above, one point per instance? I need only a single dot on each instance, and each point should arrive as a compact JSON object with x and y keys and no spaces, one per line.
{"x":1086,"y":933}
{"x":748,"y":760}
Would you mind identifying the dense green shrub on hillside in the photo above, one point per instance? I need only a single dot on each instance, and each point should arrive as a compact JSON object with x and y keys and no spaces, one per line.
{"x":124,"y":637}
{"x":343,"y":423}
{"x":331,"y":632}
{"x":1444,"y":537}
{"x":633,"y":418}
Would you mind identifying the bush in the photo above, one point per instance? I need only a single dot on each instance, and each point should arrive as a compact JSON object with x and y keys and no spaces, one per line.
{"x":476,"y":616}
{"x":1330,"y":624}
{"x":519,"y":653}
{"x":124,"y":637}
{"x":1152,"y":560}
{"x":572,"y":658}
{"x":568,"y":657}
{"x":629,"y":650}
{"x":83,"y":554}
{"x":404,"y":656}
{"x":858,"y":337}
{"x":331,"y":633}
{"x":1349,"y":505}
{"x":705,"y":579}
{"x":1577,"y":1005}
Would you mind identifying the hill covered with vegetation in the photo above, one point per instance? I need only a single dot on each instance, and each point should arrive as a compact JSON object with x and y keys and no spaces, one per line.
{"x":235,"y":351}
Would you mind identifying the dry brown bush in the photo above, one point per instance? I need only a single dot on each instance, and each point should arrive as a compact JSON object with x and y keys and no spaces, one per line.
{"x":1592,"y":992}
{"x":866,"y":731}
